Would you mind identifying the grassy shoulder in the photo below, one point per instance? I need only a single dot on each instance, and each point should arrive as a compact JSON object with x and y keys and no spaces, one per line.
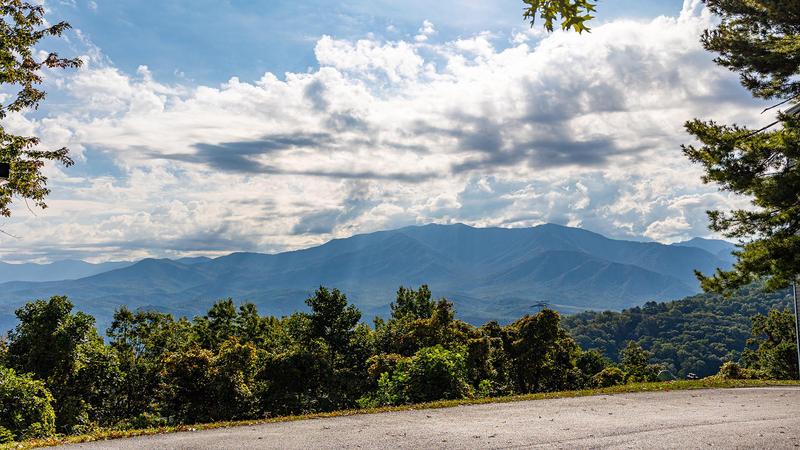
{"x":106,"y":434}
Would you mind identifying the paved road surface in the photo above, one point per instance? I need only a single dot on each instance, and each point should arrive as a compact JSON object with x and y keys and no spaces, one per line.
{"x":723,"y":418}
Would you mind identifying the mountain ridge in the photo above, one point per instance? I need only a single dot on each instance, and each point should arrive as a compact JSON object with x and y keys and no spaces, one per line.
{"x":66,"y":269}
{"x":491,"y":273}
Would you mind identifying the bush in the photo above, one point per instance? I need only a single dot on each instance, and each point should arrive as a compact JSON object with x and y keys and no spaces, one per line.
{"x":187,"y":391}
{"x":433,"y":373}
{"x":635,"y":360}
{"x":26,"y":409}
{"x":437,"y":373}
{"x":143,"y":420}
{"x":732,"y":371}
{"x":6,"y":436}
{"x":610,"y":376}
{"x":485,"y":389}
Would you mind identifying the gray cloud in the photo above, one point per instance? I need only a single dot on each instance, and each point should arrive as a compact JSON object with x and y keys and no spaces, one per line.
{"x":315,"y":94}
{"x":497,"y":145}
{"x":320,"y":222}
{"x":358,"y":200}
{"x":240,"y":157}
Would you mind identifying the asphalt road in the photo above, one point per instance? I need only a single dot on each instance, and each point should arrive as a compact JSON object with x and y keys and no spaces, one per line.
{"x":764,"y":418}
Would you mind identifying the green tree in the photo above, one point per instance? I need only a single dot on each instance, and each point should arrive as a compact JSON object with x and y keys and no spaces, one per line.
{"x":759,"y":40}
{"x":335,"y":322}
{"x":236,"y":385}
{"x":636,"y":363}
{"x":494,"y":367}
{"x":296,"y":380}
{"x":590,"y":364}
{"x":187,"y":392}
{"x":25,"y":406}
{"x":771,"y":348}
{"x":543,"y":354}
{"x":573,"y":13}
{"x":413,"y":304}
{"x":255,"y":329}
{"x":332,"y":319}
{"x":219,"y":323}
{"x":140,"y":340}
{"x":437,"y":373}
{"x":64,"y":350}
{"x":22,"y":27}
{"x":48,"y":337}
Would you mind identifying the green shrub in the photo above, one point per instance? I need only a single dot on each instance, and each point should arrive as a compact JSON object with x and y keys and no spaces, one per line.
{"x":6,"y":436}
{"x":392,"y":389}
{"x":485,"y":389}
{"x":26,"y":409}
{"x":143,"y":420}
{"x":437,"y":373}
{"x":733,"y":371}
{"x":610,"y":376}
{"x":433,"y":373}
{"x":636,"y":363}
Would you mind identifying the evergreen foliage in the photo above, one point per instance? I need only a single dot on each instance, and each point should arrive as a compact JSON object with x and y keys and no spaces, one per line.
{"x":760,"y":40}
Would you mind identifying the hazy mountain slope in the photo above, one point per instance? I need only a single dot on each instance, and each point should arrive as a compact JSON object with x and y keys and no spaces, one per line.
{"x":503,"y":246}
{"x":719,"y":248}
{"x":58,"y":270}
{"x":492,"y":274}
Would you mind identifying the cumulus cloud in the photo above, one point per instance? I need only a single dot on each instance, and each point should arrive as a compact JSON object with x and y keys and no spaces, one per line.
{"x":515,"y":131}
{"x":425,"y":31}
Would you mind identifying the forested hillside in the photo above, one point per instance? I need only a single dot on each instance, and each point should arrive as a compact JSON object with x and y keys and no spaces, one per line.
{"x":693,"y":335}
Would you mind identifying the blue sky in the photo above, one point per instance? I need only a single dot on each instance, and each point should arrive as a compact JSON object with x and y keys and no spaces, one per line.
{"x":208,"y":41}
{"x":207,"y":127}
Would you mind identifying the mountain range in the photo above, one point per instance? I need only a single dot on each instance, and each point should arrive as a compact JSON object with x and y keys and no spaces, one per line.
{"x":68,"y":269}
{"x":490,"y":273}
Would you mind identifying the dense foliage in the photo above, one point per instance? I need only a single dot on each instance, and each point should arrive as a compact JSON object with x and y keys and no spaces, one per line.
{"x":26,"y":409}
{"x":758,"y":39}
{"x":771,"y":350}
{"x":58,"y":376}
{"x":233,"y":363}
{"x":693,"y":335}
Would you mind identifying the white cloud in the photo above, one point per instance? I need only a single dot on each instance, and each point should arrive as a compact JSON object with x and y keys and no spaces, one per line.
{"x":574,"y":129}
{"x":427,"y":30}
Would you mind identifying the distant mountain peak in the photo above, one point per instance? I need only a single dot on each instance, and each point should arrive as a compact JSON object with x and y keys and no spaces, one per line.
{"x":491,"y":273}
{"x":718,"y":247}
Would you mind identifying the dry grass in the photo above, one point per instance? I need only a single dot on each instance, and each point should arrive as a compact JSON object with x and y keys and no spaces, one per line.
{"x":106,"y":434}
